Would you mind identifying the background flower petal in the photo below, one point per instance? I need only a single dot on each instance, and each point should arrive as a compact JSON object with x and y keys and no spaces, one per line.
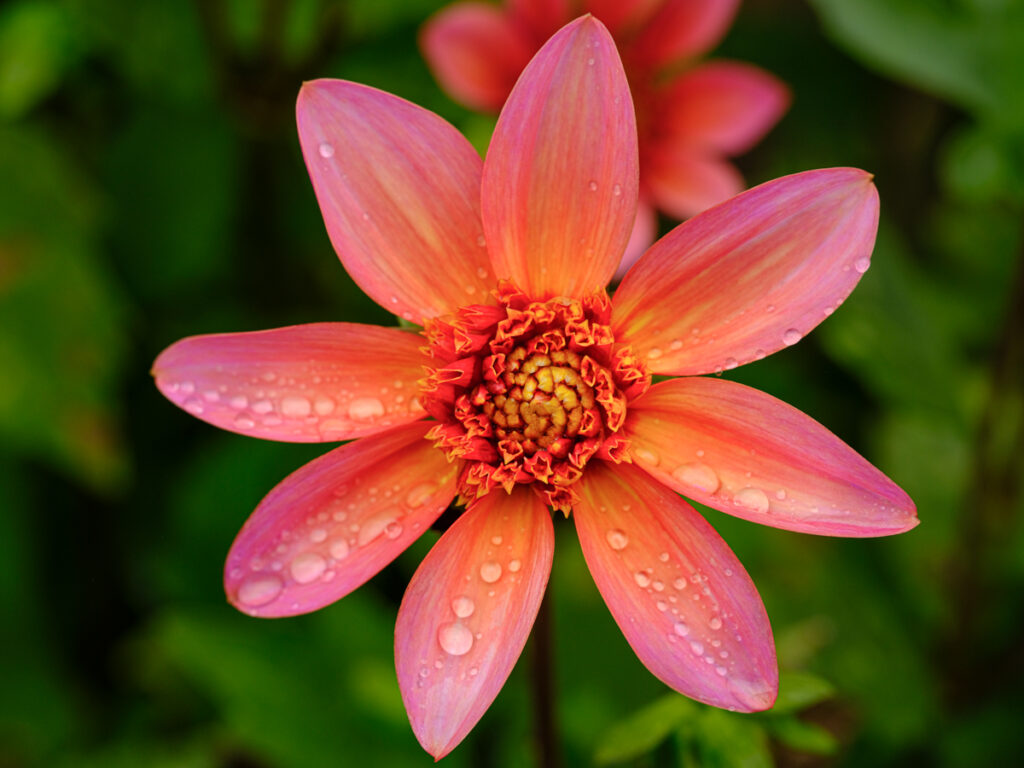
{"x":560,"y":178}
{"x":683,"y":181}
{"x":467,"y":613}
{"x":751,"y":275}
{"x":682,"y":599}
{"x":645,"y":229}
{"x":476,"y":52}
{"x":726,"y":106}
{"x":744,"y":452}
{"x":303,"y":384}
{"x":622,"y":16}
{"x":682,"y":29}
{"x":332,"y":524}
{"x":542,"y":17}
{"x":399,"y":190}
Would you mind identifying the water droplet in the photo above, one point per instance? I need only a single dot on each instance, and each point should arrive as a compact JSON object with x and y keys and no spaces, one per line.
{"x":262,"y":407}
{"x":419,"y":494}
{"x":780,"y":494}
{"x":377,"y":525}
{"x":463,"y":607}
{"x":308,"y":567}
{"x":681,"y":629}
{"x":663,"y":557}
{"x":296,"y":406}
{"x":317,"y":535}
{"x":496,"y":540}
{"x":339,"y":549}
{"x":617,"y":539}
{"x":242,"y":421}
{"x":642,"y":579}
{"x":648,"y":457}
{"x":679,"y":583}
{"x":697,"y":647}
{"x":590,"y":62}
{"x":592,"y":186}
{"x":326,"y":150}
{"x":194,"y":406}
{"x":720,"y":670}
{"x":514,"y":566}
{"x":617,"y":190}
{"x":365,"y":408}
{"x":490,"y":571}
{"x":323,"y":405}
{"x":187,"y":387}
{"x":260,"y":590}
{"x":654,"y":353}
{"x":862,"y":264}
{"x":753,"y":499}
{"x":715,"y":623}
{"x":697,"y":475}
{"x":791,"y":337}
{"x":455,"y":639}
{"x":730,"y":363}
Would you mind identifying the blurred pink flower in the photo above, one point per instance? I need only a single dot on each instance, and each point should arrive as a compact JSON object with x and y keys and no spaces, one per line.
{"x":690,"y":115}
{"x":538,"y":389}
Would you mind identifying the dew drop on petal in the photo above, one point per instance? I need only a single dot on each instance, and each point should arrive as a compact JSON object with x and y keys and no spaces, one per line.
{"x":791,"y":337}
{"x":490,"y":571}
{"x":715,"y":623}
{"x":242,"y":421}
{"x":339,"y":549}
{"x":514,"y":566}
{"x":862,"y":264}
{"x":699,"y":475}
{"x":753,"y":499}
{"x":260,"y":590}
{"x":419,"y":494}
{"x":730,"y":363}
{"x":323,"y":405}
{"x":317,"y":535}
{"x":463,"y":606}
{"x":654,"y":353}
{"x":455,"y":639}
{"x":296,"y":406}
{"x":617,"y":540}
{"x":326,"y":150}
{"x":592,"y":186}
{"x":365,"y":408}
{"x":681,"y":629}
{"x":308,"y":567}
{"x":642,"y":579}
{"x":648,"y":457}
{"x":393,"y":529}
{"x":697,"y":646}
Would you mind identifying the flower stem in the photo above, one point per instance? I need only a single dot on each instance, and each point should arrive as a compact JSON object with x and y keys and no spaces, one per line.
{"x":542,"y":688}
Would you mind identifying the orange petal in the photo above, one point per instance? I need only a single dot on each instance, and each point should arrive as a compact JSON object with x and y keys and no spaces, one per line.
{"x":399,"y":189}
{"x":688,"y":609}
{"x":751,"y":275}
{"x":467,"y":613}
{"x":744,"y":452}
{"x":560,"y":178}
{"x":332,"y":524}
{"x":304,"y":384}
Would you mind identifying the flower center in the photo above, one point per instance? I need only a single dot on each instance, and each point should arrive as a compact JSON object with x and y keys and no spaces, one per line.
{"x":529,"y":392}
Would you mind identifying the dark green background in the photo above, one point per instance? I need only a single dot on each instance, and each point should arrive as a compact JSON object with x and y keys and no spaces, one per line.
{"x":151,"y":187}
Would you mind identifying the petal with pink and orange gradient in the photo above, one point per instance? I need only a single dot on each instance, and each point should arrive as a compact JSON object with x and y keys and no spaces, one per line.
{"x":303,"y":384}
{"x":681,"y":29}
{"x":560,"y":179}
{"x":683,"y":181}
{"x":476,"y":52}
{"x":682,"y":599}
{"x":750,"y":276}
{"x":468,"y":612}
{"x":721,"y":106}
{"x":746,"y":453}
{"x":399,"y":190}
{"x":332,"y":524}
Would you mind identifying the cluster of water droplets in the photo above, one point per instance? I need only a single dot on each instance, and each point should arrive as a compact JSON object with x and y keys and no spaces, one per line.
{"x":346,"y":519}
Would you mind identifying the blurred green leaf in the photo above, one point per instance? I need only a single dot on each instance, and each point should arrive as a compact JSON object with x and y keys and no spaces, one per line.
{"x":37,"y":46}
{"x":730,"y":740}
{"x":801,"y":736}
{"x":799,"y":690}
{"x":644,"y":729}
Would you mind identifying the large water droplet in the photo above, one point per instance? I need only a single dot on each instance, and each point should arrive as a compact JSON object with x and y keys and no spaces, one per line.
{"x":681,"y":629}
{"x":365,"y":408}
{"x":648,"y":457}
{"x":514,"y":566}
{"x":323,"y":405}
{"x":296,"y":406}
{"x":339,"y":549}
{"x":326,"y":150}
{"x":262,"y":407}
{"x":862,"y":264}
{"x":260,"y":590}
{"x":697,"y":475}
{"x":490,"y":571}
{"x":463,"y":607}
{"x":617,"y":540}
{"x":308,"y":567}
{"x":642,"y":579}
{"x":791,"y":337}
{"x":455,"y":639}
{"x":753,"y":499}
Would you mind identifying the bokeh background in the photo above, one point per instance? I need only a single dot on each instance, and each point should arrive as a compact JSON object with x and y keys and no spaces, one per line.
{"x":151,"y":187}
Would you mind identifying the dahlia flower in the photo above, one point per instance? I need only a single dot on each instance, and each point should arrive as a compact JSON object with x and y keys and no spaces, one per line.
{"x":691,"y":115}
{"x":529,"y":389}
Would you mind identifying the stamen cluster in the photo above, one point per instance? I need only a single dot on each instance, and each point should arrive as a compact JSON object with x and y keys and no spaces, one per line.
{"x":529,"y":391}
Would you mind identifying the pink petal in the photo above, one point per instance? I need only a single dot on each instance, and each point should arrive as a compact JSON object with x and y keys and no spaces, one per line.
{"x":645,"y":229}
{"x":685,"y":604}
{"x":682,"y":29}
{"x":743,"y":452}
{"x":303,"y":384}
{"x":399,"y":191}
{"x":476,"y":52}
{"x":334,"y":523}
{"x":684,"y":181}
{"x":751,"y":275}
{"x":467,"y":613}
{"x":541,"y":17}
{"x":560,"y":179}
{"x":722,"y":106}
